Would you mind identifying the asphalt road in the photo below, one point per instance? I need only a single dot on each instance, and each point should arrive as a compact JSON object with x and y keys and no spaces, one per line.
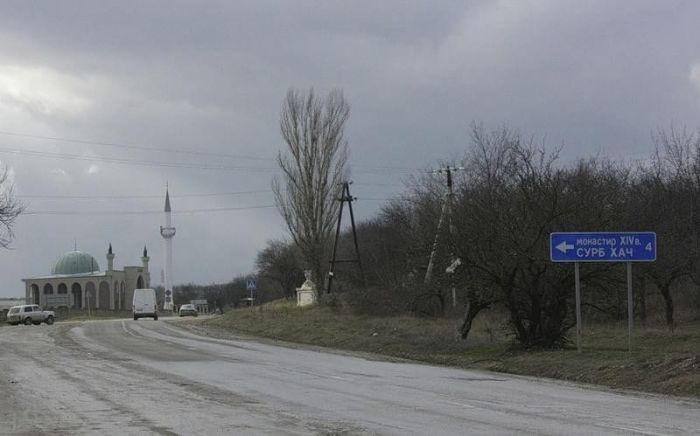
{"x":151,"y":377}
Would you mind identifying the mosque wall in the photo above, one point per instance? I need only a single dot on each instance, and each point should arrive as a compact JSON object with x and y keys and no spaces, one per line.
{"x":109,"y":290}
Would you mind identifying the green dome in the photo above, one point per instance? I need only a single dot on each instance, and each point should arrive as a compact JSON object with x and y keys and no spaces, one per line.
{"x":75,"y":262}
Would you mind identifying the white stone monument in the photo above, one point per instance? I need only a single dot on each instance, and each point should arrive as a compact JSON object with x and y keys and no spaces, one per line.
{"x":306,"y":294}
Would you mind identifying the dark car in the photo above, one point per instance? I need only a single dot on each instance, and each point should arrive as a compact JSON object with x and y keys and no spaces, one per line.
{"x":188,"y":309}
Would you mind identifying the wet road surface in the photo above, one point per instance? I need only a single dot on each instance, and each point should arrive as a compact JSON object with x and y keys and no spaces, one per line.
{"x":152,"y":377}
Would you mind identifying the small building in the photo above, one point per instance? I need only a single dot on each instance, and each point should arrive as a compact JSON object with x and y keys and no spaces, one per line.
{"x":202,"y":306}
{"x":77,"y":282}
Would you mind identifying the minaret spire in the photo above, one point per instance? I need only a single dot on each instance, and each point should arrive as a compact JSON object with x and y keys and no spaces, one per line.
{"x":167,"y":199}
{"x":168,"y":233}
{"x":110,"y":258}
{"x":145,"y":259}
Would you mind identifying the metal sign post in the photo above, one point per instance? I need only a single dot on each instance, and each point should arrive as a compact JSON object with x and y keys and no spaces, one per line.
{"x":578,"y":307}
{"x":625,"y":247}
{"x":630,"y":306}
{"x":251,"y":286}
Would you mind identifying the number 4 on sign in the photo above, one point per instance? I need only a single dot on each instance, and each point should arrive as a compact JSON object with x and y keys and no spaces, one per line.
{"x":648,"y":247}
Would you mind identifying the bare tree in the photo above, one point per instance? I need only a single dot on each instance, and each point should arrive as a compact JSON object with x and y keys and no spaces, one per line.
{"x":509,"y":202}
{"x":278,"y":261}
{"x":313,"y":168}
{"x":10,"y":209}
{"x":664,"y":198}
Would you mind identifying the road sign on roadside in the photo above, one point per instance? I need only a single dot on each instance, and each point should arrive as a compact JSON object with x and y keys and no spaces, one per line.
{"x":628,"y":247}
{"x":251,"y":284}
{"x":602,"y":246}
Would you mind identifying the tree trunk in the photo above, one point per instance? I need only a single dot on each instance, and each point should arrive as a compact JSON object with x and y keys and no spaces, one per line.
{"x":441,"y":300}
{"x":516,"y":320}
{"x":642,"y":301}
{"x":314,"y":262}
{"x":473,"y":309}
{"x":668,"y":300}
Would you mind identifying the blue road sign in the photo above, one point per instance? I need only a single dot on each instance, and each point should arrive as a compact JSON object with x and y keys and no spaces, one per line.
{"x":602,"y":246}
{"x":251,"y":284}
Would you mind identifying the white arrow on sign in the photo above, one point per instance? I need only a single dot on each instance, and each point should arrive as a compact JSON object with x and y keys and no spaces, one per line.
{"x":564,"y":247}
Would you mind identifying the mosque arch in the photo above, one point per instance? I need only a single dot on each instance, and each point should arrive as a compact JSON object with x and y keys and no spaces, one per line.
{"x":90,"y":295}
{"x":62,"y":288}
{"x":48,"y":289}
{"x":77,"y":292}
{"x":104,"y":299}
{"x":139,"y":283}
{"x":35,"y":293}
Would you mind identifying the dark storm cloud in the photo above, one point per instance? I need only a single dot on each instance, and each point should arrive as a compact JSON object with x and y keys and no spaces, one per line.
{"x":596,"y":76}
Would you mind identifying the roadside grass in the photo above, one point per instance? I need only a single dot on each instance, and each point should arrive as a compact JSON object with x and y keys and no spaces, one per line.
{"x":662,"y":361}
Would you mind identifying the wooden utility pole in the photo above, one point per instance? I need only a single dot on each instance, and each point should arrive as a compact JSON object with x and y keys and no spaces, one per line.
{"x":345,"y":197}
{"x":446,"y":211}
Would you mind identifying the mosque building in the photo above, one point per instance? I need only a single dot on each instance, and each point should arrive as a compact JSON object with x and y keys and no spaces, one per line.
{"x":77,"y":282}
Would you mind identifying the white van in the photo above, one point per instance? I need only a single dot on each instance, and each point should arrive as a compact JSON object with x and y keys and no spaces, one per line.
{"x":144,"y":304}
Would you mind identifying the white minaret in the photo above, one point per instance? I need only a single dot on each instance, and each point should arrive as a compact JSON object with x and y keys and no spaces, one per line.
{"x":168,"y":232}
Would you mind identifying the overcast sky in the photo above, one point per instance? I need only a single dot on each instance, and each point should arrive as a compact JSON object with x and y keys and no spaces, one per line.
{"x":139,"y":84}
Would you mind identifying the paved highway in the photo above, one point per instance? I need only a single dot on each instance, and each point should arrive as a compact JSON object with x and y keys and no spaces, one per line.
{"x":146,"y":377}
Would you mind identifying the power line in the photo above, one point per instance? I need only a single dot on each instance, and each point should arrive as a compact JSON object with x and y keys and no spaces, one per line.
{"x":134,"y":147}
{"x":383,"y":168}
{"x":94,"y":197}
{"x":155,"y":212}
{"x":382,"y":171}
{"x":123,"y":161}
{"x":393,"y":185}
{"x":200,"y":195}
{"x":173,"y":150}
{"x":143,"y":212}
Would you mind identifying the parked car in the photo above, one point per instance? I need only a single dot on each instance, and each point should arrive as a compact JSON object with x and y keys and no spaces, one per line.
{"x":29,"y":314}
{"x":145,"y":304}
{"x":188,"y":310}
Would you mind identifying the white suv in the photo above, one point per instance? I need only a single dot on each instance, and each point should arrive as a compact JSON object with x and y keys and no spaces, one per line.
{"x":30,"y":314}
